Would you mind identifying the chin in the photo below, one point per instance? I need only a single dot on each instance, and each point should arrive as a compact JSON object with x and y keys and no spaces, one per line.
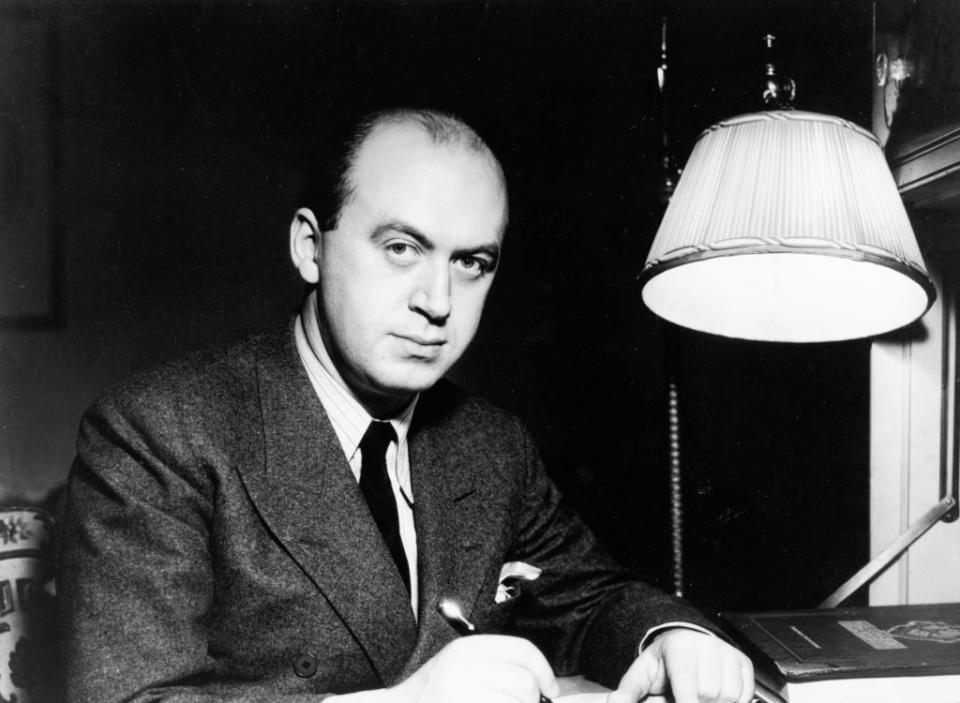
{"x":408,"y":383}
{"x":410,"y":387}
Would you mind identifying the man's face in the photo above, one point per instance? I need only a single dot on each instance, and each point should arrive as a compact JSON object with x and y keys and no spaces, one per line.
{"x":404,"y":276}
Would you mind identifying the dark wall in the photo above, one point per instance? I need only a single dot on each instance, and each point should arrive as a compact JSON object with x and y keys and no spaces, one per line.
{"x":183,"y":130}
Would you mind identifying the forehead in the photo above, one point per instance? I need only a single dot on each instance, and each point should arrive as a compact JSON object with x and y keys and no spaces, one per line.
{"x":401,"y":173}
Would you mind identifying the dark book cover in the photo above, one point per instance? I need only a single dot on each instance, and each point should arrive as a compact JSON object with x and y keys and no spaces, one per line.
{"x":860,"y":642}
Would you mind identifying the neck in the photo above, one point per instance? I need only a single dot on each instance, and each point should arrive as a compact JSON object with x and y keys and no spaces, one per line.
{"x":383,"y":408}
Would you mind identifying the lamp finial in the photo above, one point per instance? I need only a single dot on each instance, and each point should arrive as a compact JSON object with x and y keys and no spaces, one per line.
{"x":778,"y":91}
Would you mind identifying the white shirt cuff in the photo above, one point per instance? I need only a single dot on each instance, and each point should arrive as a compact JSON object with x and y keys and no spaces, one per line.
{"x":654,"y":631}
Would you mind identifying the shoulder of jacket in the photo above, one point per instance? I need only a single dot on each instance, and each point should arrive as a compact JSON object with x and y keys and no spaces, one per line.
{"x":209,"y":376}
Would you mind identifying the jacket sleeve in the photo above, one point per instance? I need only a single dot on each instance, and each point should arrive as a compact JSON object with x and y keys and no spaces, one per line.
{"x":135,"y":582}
{"x":585,"y":612}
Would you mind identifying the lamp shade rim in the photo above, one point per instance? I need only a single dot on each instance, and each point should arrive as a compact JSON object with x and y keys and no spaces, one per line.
{"x":790,"y":116}
{"x":907,"y":268}
{"x":787,"y":296}
{"x":796,"y":246}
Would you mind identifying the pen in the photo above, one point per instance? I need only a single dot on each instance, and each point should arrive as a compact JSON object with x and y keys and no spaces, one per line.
{"x":451,"y":612}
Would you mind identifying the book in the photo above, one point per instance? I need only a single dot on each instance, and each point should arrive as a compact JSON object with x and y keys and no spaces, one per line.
{"x":879,"y":654}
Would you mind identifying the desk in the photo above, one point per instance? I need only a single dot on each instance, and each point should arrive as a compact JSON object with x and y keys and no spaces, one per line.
{"x":576,"y":689}
{"x":570,"y":685}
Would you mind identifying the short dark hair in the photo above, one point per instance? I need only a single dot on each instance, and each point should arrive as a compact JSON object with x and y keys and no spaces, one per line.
{"x":327,"y":187}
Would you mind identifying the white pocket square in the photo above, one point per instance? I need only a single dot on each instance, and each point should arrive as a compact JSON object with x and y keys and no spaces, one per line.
{"x":510,"y":574}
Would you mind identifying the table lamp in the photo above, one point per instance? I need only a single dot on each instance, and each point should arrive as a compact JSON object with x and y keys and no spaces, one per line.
{"x":787,"y":226}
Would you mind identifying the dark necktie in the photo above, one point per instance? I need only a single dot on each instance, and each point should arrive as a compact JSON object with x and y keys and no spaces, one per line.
{"x":376,"y":488}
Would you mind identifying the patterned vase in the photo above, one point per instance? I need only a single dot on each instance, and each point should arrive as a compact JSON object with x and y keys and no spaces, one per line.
{"x":27,"y":665}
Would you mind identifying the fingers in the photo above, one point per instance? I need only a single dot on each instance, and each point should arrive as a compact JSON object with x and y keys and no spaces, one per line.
{"x":504,"y":678}
{"x":645,"y":676}
{"x":746,"y":673}
{"x":510,"y":681}
{"x":511,"y":650}
{"x":694,"y":667}
{"x":482,"y":668}
{"x":705,"y":669}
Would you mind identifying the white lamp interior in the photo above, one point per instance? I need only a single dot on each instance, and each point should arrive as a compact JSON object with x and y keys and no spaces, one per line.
{"x":786,"y":297}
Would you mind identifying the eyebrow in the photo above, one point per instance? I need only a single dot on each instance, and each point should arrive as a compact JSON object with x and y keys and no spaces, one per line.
{"x":492,"y":250}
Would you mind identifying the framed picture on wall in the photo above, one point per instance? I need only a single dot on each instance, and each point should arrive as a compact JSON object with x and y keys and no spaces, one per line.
{"x":30,"y":234}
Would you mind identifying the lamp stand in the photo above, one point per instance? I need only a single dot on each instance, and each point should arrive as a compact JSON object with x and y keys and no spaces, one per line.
{"x":946,"y":508}
{"x":879,"y":563}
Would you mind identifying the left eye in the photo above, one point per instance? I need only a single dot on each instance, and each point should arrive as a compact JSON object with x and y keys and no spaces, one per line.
{"x":473,"y":265}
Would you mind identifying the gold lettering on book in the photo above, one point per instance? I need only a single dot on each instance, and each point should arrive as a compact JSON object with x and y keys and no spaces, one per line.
{"x":870,"y":634}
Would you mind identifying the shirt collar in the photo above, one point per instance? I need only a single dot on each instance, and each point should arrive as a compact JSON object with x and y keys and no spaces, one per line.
{"x":348,"y":417}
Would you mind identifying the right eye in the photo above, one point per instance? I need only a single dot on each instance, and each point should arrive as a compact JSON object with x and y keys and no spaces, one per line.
{"x":401,"y":251}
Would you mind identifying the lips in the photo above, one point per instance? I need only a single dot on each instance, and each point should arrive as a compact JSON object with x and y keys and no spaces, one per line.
{"x":424,"y":348}
{"x":422,"y":341}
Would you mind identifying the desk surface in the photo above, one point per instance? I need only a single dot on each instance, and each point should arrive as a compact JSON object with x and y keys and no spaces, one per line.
{"x":570,"y":685}
{"x":576,"y":689}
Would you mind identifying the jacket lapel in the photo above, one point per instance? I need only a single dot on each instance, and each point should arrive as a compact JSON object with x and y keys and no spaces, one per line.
{"x":307,"y":495}
{"x":452,"y":530}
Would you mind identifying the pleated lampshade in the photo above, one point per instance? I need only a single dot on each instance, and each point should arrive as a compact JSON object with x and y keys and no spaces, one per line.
{"x":787,"y":226}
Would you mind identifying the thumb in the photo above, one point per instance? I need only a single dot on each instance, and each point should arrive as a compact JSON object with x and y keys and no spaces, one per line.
{"x":645,"y":676}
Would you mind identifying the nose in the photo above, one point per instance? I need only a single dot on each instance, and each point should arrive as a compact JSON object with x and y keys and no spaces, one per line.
{"x":431,"y":297}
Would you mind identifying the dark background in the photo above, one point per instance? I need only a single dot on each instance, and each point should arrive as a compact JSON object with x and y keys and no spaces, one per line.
{"x":182,"y":129}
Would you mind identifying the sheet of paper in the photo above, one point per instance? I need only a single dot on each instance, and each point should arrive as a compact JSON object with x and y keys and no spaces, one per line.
{"x":599,"y":698}
{"x":573,"y":686}
{"x":576,"y":689}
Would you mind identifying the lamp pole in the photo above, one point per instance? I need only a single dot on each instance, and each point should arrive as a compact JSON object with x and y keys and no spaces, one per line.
{"x":666,"y":184}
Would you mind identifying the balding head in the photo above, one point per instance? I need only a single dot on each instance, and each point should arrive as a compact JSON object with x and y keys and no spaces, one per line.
{"x":330,"y":186}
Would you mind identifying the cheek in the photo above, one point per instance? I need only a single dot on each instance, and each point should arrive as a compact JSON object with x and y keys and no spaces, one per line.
{"x":348,"y":315}
{"x":468,"y":308}
{"x":360,"y":301}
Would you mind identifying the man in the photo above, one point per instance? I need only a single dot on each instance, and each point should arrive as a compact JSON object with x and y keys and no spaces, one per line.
{"x":277,"y":521}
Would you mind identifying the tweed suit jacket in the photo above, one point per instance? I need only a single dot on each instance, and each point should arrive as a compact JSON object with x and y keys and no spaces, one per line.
{"x":216,"y":547}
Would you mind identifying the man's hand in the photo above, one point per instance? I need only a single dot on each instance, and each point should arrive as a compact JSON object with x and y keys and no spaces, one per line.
{"x":694,"y":667}
{"x":480,"y":669}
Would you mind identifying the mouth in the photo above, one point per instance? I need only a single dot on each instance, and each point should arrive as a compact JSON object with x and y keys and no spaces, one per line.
{"x":422,"y":347}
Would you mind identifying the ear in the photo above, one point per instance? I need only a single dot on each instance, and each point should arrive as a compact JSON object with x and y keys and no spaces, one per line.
{"x":305,"y":244}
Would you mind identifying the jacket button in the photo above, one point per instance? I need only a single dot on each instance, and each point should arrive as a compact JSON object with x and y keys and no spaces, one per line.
{"x":305,"y":666}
